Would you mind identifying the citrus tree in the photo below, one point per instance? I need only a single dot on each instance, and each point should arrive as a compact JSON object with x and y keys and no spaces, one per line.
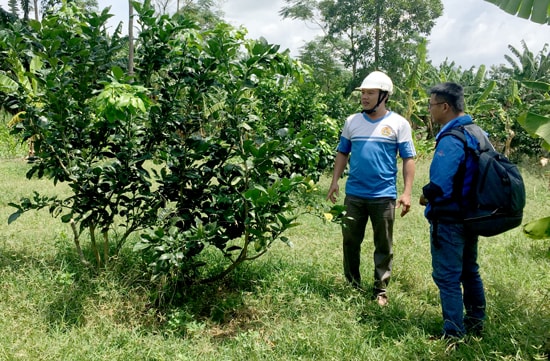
{"x":85,"y":124}
{"x":208,"y":146}
{"x":236,"y":136}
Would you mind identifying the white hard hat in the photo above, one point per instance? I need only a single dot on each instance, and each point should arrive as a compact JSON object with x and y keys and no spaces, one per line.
{"x":377,"y":80}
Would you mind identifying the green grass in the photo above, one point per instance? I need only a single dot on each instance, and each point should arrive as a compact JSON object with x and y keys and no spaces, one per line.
{"x":291,"y":304}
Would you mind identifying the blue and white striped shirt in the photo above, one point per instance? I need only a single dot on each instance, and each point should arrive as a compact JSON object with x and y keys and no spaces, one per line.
{"x":374,"y":145}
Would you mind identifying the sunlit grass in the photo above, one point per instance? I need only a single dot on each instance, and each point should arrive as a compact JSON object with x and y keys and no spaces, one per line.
{"x":291,"y":304}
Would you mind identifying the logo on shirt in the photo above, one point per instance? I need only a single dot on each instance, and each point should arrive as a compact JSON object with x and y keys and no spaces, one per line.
{"x":386,"y":131}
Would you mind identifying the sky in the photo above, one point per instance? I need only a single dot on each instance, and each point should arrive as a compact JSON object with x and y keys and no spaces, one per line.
{"x":470,"y":32}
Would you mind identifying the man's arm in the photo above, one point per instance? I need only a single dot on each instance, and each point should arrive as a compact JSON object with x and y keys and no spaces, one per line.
{"x":448,"y":156}
{"x":408,"y":178}
{"x":340,"y":164}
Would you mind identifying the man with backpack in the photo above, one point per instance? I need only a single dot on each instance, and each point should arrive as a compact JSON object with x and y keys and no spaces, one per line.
{"x":454,"y":250}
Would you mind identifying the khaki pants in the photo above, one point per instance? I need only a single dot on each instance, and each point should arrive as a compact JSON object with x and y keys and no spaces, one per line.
{"x":381,"y":212}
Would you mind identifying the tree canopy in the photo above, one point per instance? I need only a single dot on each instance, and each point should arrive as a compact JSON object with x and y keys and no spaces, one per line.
{"x":368,"y":35}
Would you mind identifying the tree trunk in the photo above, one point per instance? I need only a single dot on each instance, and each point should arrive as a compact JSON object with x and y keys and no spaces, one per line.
{"x":94,"y":245}
{"x":130,"y":38}
{"x":76,"y":240}
{"x":377,"y":35}
{"x":105,"y":247}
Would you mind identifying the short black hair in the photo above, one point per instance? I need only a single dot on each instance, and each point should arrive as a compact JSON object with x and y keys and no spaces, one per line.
{"x":450,"y":93}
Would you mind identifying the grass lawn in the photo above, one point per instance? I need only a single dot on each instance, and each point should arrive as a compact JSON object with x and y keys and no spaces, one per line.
{"x":291,"y":304}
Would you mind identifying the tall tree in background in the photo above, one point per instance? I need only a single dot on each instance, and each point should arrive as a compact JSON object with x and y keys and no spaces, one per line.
{"x":25,"y":7}
{"x":329,"y":73}
{"x":377,"y":34}
{"x":50,"y":5}
{"x":13,"y":6}
{"x":130,"y":38}
{"x":163,"y":6}
{"x":521,"y":82}
{"x":205,"y":12}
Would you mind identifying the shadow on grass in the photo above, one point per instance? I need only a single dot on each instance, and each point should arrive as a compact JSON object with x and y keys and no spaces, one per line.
{"x":67,"y":307}
{"x":514,"y":326}
{"x":65,"y":287}
{"x":224,"y":308}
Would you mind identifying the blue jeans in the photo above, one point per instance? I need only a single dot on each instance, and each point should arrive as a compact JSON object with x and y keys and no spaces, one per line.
{"x":456,"y":274}
{"x":381,"y":213}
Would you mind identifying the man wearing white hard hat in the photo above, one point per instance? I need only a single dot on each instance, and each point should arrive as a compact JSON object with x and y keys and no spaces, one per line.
{"x":371,"y":141}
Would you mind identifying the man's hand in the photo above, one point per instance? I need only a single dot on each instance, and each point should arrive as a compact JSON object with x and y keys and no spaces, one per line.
{"x":333,"y":192}
{"x":423,"y":201}
{"x":405,"y":203}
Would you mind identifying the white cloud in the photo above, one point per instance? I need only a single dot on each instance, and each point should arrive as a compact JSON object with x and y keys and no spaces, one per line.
{"x":470,"y":32}
{"x":262,"y":19}
{"x":475,"y":32}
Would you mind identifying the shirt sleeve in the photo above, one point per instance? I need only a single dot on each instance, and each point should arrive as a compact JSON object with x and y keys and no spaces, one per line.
{"x":345,"y":139}
{"x":344,"y":146}
{"x":447,"y":159}
{"x":405,"y":141}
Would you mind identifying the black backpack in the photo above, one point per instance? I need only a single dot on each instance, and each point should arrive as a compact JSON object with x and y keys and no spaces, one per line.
{"x":499,"y":191}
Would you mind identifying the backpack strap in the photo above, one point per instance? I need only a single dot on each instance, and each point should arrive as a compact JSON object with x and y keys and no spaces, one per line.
{"x":474,"y":130}
{"x":458,"y":179}
{"x":458,"y":132}
{"x":482,"y":139}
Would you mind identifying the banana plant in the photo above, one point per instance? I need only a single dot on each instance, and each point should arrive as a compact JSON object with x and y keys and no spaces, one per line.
{"x":27,"y":83}
{"x":534,"y":10}
{"x":7,"y":84}
{"x":538,"y":126}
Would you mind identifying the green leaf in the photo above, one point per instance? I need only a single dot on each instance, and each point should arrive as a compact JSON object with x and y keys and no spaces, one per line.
{"x":512,"y":6}
{"x":7,"y":84}
{"x":537,"y":85}
{"x":13,"y":217}
{"x":287,"y":241}
{"x":525,"y":9}
{"x":236,"y":181}
{"x":166,"y":256}
{"x":118,"y":73}
{"x":233,"y":248}
{"x":540,"y":11}
{"x":537,"y":9}
{"x":488,"y":89}
{"x":159,"y":232}
{"x":539,"y":229}
{"x":536,"y":124}
{"x":141,"y":246}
